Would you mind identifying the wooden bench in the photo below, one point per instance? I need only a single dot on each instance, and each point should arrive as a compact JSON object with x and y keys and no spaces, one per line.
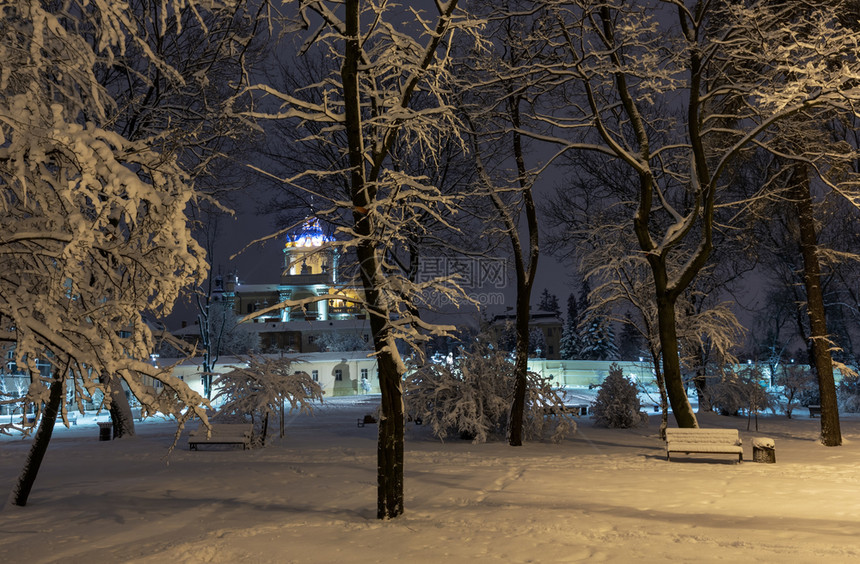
{"x":366,"y":420}
{"x":222,"y":434}
{"x":814,"y":410}
{"x":704,"y":441}
{"x":578,"y":409}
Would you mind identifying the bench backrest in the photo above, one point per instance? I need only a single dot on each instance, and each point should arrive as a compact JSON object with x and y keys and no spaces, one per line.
{"x":703,"y":436}
{"x":229,"y":429}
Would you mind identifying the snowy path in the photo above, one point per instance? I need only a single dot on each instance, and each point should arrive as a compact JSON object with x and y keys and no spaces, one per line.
{"x":602,"y":496}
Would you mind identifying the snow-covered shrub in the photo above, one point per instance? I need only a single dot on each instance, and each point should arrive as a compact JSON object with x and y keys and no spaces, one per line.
{"x":259,"y":389}
{"x":742,"y":390}
{"x":471,"y":396}
{"x":794,"y":382}
{"x":848,"y":393}
{"x":617,"y":403}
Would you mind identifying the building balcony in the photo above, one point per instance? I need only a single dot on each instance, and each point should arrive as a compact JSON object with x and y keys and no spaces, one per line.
{"x":323,"y":278}
{"x":351,"y":310}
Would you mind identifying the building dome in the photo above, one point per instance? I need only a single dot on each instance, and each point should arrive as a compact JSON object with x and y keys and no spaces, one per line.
{"x":309,"y":235}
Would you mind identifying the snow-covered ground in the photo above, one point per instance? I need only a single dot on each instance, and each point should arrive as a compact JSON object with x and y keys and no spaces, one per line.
{"x":602,"y":496}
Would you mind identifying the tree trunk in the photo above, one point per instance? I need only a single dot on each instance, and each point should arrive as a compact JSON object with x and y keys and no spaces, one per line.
{"x":701,"y":383}
{"x":389,"y":447}
{"x":22,"y":488}
{"x":281,"y":420}
{"x":681,"y":407}
{"x":120,"y":410}
{"x":265,"y":429}
{"x":819,"y":343}
{"x":526,"y":261}
{"x":520,"y":368}
{"x":390,"y":440}
{"x":664,"y":399}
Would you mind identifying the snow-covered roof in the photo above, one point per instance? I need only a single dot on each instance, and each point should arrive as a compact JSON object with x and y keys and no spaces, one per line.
{"x":298,"y":358}
{"x":255,"y":288}
{"x":299,"y":325}
{"x":536,"y":316}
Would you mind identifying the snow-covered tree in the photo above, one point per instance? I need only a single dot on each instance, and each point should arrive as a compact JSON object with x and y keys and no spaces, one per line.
{"x":792,"y":382}
{"x":470,"y":396}
{"x":497,"y":106}
{"x":617,"y":403}
{"x":389,"y":90}
{"x":599,"y":339}
{"x":849,"y":394}
{"x":728,"y":70}
{"x":95,"y":232}
{"x":739,"y":390}
{"x":260,"y":389}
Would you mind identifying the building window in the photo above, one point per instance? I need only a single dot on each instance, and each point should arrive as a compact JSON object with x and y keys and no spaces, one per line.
{"x":364,"y":373}
{"x":549,"y":331}
{"x":290,"y":340}
{"x":551,"y":350}
{"x":311,"y":339}
{"x":315,"y":375}
{"x":338,"y":375}
{"x":249,"y":308}
{"x":366,"y":337}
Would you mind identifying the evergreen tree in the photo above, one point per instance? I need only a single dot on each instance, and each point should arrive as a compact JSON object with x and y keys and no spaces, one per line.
{"x":582,"y":303}
{"x":570,"y":345}
{"x":537,"y":342}
{"x":599,"y":340}
{"x":617,"y":403}
{"x":631,"y":344}
{"x":549,"y":302}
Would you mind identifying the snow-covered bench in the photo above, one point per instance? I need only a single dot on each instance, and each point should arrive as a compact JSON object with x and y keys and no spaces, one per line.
{"x":222,"y":434}
{"x":704,"y":441}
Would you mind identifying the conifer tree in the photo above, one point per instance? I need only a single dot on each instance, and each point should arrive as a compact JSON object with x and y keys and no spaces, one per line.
{"x":617,"y":404}
{"x":549,"y":302}
{"x":599,"y":340}
{"x":570,"y":342}
{"x":631,"y":345}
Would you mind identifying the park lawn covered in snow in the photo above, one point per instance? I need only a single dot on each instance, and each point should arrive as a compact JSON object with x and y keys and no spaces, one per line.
{"x":603,"y":495}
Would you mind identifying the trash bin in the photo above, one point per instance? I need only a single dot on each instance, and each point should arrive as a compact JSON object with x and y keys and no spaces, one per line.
{"x":764,"y":450}
{"x":105,"y":430}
